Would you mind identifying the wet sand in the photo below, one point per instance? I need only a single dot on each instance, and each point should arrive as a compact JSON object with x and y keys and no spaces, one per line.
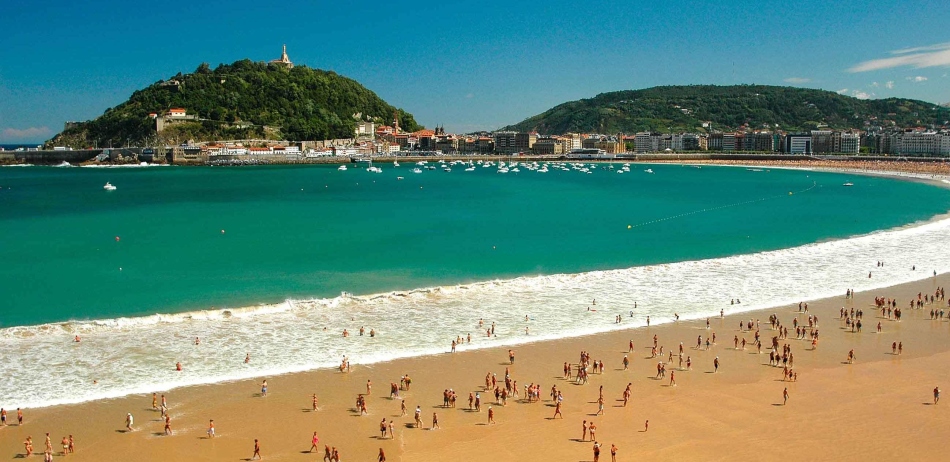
{"x":880,"y":406}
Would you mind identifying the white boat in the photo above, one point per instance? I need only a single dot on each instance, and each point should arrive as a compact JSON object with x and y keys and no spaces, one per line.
{"x":342,"y":168}
{"x":620,"y":171}
{"x":109,"y":187}
{"x":417,"y":170}
{"x":395,"y":163}
{"x":849,"y":184}
{"x":447,"y":169}
{"x":470,"y":169}
{"x":400,"y":178}
{"x":649,"y":170}
{"x":515,"y":170}
{"x":421,"y":162}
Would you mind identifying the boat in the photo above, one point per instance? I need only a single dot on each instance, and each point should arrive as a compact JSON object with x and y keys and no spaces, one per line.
{"x":849,"y":184}
{"x":395,"y":163}
{"x":417,"y":170}
{"x":470,"y":169}
{"x":342,"y":168}
{"x":649,"y":170}
{"x":619,"y":171}
{"x":400,"y":178}
{"x":109,"y":187}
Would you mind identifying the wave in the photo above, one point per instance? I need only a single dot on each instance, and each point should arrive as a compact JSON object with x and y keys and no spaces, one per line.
{"x":138,"y":354}
{"x":16,"y":165}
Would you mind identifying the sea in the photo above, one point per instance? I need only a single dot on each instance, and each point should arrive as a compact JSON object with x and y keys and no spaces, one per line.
{"x":275,"y":262}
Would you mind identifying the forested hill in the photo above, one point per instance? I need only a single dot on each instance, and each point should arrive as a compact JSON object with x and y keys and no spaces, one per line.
{"x":685,"y":108}
{"x":243,"y":100}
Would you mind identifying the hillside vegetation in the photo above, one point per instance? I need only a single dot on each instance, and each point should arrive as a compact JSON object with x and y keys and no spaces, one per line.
{"x":685,"y":108}
{"x":243,"y":100}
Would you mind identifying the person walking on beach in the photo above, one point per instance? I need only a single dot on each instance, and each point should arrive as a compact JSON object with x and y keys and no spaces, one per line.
{"x":72,"y":445}
{"x":264,"y":388}
{"x":382,"y":456}
{"x":211,"y":428}
{"x":128,"y":421}
{"x":435,"y":421}
{"x":168,"y":425}
{"x":613,"y":453}
{"x":672,"y":384}
{"x":936,"y":394}
{"x":584,"y":435}
{"x":593,"y":431}
{"x":314,"y":402}
{"x":257,"y":451}
{"x":596,"y":451}
{"x":785,"y":396}
{"x":716,"y":365}
{"x":491,"y":416}
{"x":19,"y":416}
{"x":557,"y":410}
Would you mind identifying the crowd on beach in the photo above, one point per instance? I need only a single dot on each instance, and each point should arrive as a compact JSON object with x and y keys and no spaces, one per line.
{"x":772,"y":336}
{"x":934,"y":169}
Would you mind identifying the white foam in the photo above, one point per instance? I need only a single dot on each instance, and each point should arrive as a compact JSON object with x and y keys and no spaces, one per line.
{"x":43,"y":366}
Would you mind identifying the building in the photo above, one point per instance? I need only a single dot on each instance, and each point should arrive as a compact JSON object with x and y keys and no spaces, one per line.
{"x":643,"y":142}
{"x":505,"y":142}
{"x":284,"y":60}
{"x":173,"y":116}
{"x":918,"y":143}
{"x":366,"y":129}
{"x":798,"y":143}
{"x":822,"y":142}
{"x":847,"y":142}
{"x":525,"y":141}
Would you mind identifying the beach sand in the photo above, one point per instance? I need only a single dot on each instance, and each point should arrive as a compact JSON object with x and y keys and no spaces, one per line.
{"x":880,"y":406}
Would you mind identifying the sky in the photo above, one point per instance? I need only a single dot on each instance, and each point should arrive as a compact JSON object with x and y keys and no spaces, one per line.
{"x":467,"y":65}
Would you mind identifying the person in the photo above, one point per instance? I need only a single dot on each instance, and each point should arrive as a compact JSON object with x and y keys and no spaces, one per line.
{"x":314,"y":401}
{"x":785,"y":396}
{"x":49,"y":444}
{"x":593,"y":431}
{"x":626,"y":362}
{"x":613,"y":453}
{"x":178,"y":366}
{"x":211,"y":428}
{"x":382,"y":456}
{"x":65,"y":443}
{"x":511,"y":357}
{"x":247,"y":358}
{"x":369,"y":387}
{"x":435,"y":421}
{"x":584,"y":435}
{"x":314,"y":441}
{"x":392,"y":434}
{"x":646,"y":426}
{"x":168,"y":425}
{"x":19,"y":416}
{"x":72,"y":444}
{"x":418,"y":417}
{"x":491,"y":415}
{"x":28,"y":446}
{"x":3,"y":417}
{"x":154,"y":401}
{"x":936,"y":394}
{"x":557,"y":410}
{"x":264,"y":388}
{"x":596,"y":451}
{"x":716,"y":365}
{"x":257,"y":450}
{"x":128,"y":421}
{"x":672,"y":384}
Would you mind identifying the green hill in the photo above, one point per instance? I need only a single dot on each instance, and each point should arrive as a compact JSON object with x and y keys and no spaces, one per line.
{"x":243,"y":100}
{"x":685,"y":108}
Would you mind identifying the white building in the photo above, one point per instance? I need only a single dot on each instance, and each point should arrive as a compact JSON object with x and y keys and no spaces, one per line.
{"x":850,"y":143}
{"x":918,"y":143}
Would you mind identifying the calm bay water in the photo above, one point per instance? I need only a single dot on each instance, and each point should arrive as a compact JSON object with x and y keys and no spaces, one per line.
{"x":542,"y":240}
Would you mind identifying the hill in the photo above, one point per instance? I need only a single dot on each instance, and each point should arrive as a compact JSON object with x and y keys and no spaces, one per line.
{"x":243,"y":100}
{"x":685,"y":108}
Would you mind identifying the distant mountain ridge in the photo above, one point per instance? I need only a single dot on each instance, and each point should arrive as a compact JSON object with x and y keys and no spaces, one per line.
{"x":687,"y":108}
{"x":243,"y":100}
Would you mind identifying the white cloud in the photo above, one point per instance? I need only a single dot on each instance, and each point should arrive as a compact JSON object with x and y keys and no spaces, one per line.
{"x":919,"y":57}
{"x":842,"y":91}
{"x":25,"y":134}
{"x":861,"y":95}
{"x":874,"y":85}
{"x":919,"y":78}
{"x":889,"y":84}
{"x":797,"y":80}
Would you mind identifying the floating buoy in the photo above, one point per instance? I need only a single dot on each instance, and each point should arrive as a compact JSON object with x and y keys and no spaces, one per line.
{"x":117,"y":238}
{"x":789,"y":193}
{"x":628,"y":226}
{"x":222,"y":231}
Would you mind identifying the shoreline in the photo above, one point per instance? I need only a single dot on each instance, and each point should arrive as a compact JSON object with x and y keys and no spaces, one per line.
{"x":242,"y":415}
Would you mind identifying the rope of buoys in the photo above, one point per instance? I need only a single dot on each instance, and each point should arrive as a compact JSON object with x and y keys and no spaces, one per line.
{"x":711,"y":209}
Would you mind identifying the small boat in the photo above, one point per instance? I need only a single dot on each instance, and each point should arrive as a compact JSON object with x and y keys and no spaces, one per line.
{"x":400,"y":178}
{"x":470,"y":169}
{"x":109,"y":187}
{"x":342,"y":168}
{"x":849,"y":184}
{"x":417,"y":170}
{"x":649,"y":170}
{"x":395,"y":163}
{"x":619,"y":171}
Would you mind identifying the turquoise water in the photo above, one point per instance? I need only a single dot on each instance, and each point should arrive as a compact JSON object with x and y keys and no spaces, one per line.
{"x":300,"y":232}
{"x":432,"y":253}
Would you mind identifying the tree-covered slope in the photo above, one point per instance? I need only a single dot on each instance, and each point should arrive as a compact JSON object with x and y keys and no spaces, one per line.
{"x":243,"y":100}
{"x":685,"y":108}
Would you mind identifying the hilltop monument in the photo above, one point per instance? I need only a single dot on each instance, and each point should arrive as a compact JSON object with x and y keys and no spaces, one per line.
{"x":284,"y":60}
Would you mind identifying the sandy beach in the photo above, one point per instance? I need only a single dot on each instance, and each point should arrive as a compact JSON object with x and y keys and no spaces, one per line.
{"x":880,"y":406}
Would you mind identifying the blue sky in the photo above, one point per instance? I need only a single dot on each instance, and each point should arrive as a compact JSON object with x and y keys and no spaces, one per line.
{"x":467,"y":65}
